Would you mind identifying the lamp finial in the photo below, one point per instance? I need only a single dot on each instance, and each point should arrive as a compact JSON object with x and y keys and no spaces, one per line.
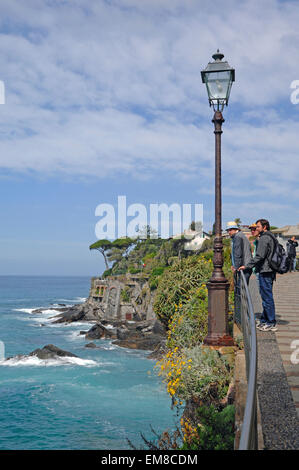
{"x":218,"y":56}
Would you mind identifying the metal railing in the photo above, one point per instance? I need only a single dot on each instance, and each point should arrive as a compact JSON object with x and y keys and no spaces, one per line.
{"x":245,"y":312}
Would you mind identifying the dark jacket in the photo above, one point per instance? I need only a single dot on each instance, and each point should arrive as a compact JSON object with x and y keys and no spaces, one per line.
{"x":241,"y":252}
{"x":291,"y":248}
{"x":264,"y":249}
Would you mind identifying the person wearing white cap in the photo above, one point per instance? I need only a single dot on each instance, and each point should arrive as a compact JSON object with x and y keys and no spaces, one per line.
{"x":241,"y":252}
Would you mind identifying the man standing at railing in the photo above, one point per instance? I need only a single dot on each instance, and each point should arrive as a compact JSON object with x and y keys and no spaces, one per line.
{"x":261,"y":264}
{"x":240,"y":249}
{"x":240,"y":255}
{"x":291,"y":250}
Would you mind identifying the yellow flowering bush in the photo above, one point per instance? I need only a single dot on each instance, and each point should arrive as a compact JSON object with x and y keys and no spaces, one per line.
{"x":189,"y":431}
{"x":198,"y":373}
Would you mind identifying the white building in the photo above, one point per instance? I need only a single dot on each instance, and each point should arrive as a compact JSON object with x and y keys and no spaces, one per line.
{"x":194,"y":239}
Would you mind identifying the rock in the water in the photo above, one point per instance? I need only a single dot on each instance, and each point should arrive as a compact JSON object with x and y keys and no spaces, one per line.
{"x":99,"y":331}
{"x":96,"y":332}
{"x":50,"y":351}
{"x":91,"y":346}
{"x":149,"y":343}
{"x":55,"y":309}
{"x":71,"y":315}
{"x":146,"y":335}
{"x":88,"y":311}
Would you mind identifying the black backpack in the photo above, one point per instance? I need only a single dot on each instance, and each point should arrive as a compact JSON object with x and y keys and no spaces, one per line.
{"x":278,"y":259}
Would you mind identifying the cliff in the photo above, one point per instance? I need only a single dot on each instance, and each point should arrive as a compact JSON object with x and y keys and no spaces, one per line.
{"x":122,"y":309}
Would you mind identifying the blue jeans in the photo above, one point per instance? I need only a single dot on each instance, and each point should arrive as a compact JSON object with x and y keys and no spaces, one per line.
{"x":266,"y":291}
{"x":294,"y":263}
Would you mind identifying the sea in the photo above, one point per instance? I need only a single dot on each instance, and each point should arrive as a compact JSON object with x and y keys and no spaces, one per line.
{"x":98,"y":401}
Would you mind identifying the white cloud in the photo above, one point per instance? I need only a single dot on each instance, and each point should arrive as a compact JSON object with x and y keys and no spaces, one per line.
{"x":103,"y":88}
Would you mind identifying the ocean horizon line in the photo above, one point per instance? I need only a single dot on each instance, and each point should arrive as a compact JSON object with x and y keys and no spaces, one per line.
{"x":49,"y":275}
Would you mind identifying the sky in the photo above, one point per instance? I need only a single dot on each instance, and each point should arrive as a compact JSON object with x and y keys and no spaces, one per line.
{"x":103,"y":98}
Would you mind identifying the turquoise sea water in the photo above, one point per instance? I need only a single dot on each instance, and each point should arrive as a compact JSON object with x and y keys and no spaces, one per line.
{"x":97,"y":402}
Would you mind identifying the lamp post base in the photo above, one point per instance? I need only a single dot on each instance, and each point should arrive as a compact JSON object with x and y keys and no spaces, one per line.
{"x":218,"y":334}
{"x":215,"y":340}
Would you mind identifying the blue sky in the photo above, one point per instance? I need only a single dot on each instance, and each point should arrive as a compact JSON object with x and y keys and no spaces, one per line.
{"x":104,"y":98}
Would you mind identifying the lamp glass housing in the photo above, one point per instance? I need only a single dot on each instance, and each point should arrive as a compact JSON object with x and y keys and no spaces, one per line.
{"x":218,"y":78}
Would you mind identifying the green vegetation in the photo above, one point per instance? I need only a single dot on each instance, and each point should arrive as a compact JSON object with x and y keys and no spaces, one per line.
{"x":194,"y":374}
{"x":144,"y":255}
{"x":196,"y":377}
{"x":179,"y":284}
{"x":102,"y":246}
{"x":125,"y":294}
{"x":216,"y":430}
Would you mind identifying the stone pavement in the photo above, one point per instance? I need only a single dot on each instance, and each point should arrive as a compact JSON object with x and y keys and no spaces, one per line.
{"x":278,"y":373}
{"x":286,"y":294}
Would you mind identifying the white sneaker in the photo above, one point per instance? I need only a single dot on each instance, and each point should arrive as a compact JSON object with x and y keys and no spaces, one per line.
{"x":267,"y":327}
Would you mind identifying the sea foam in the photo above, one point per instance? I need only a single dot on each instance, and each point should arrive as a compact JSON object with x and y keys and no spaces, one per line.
{"x":57,"y":361}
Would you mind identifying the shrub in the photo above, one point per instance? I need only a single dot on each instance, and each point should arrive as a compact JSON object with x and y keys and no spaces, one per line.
{"x":189,"y":323}
{"x":198,"y":373}
{"x":150,"y":255}
{"x":158,"y":271}
{"x":153,"y":283}
{"x":155,"y":276}
{"x":178,"y":283}
{"x":125,"y":294}
{"x":215,"y":430}
{"x":133,"y":270}
{"x":107,"y":273}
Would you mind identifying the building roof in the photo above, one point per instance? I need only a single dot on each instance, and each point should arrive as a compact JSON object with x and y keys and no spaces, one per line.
{"x":288,"y":230}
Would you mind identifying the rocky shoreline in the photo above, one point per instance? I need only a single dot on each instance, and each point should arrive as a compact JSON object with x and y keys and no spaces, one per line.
{"x":147,"y":335}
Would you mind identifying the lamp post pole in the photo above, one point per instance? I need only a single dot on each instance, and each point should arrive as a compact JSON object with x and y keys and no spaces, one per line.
{"x":218,"y":285}
{"x":218,"y":77}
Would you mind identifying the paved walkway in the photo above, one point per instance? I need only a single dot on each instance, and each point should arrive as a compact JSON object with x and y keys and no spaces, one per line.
{"x":278,"y":373}
{"x":286,"y":293}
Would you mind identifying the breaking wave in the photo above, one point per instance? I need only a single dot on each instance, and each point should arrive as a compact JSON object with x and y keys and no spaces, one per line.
{"x":34,"y":361}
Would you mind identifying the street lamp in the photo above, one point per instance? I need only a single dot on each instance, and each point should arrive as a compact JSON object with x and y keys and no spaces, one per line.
{"x":218,"y":77}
